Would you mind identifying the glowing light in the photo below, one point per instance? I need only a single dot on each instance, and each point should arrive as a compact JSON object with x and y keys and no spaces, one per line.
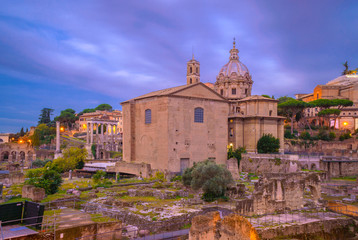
{"x":62,"y":129}
{"x":21,"y":141}
{"x":84,"y":126}
{"x":345,"y":123}
{"x":29,"y":140}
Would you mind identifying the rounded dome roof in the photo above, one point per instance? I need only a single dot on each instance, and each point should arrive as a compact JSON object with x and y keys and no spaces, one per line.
{"x":344,"y":80}
{"x":234,"y":65}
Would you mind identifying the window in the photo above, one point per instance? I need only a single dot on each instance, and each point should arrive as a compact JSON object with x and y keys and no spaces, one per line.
{"x":222,"y":92}
{"x":317,"y":96}
{"x":270,"y":113}
{"x":231,"y":132}
{"x":197,"y":80}
{"x":198,"y":115}
{"x":197,"y":70}
{"x":148,"y":116}
{"x":233,"y":91}
{"x":246,"y":91}
{"x":191,"y":81}
{"x":191,"y":69}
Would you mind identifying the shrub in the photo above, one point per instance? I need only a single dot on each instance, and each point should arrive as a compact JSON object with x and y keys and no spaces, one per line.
{"x":345,"y":136}
{"x":355,"y":132}
{"x":305,"y":135}
{"x":236,"y":153}
{"x":38,"y":163}
{"x":99,"y":176}
{"x":323,"y":135}
{"x":177,"y":178}
{"x":332,"y":136}
{"x":48,"y":179}
{"x":268,"y":144}
{"x":213,"y":179}
{"x":288,"y":134}
{"x":73,"y":158}
{"x":159,"y":176}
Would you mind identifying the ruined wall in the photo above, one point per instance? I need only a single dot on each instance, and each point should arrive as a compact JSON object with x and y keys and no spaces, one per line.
{"x":275,"y":192}
{"x":233,"y":167}
{"x":347,"y":148}
{"x":212,"y":227}
{"x":12,"y":178}
{"x":138,"y":169}
{"x":339,"y":168}
{"x":268,"y":163}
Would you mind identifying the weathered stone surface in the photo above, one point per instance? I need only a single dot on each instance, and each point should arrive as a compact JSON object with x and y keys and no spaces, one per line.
{"x":212,"y":227}
{"x":34,"y":193}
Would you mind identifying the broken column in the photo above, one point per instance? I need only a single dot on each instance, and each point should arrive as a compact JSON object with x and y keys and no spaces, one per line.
{"x":58,"y":150}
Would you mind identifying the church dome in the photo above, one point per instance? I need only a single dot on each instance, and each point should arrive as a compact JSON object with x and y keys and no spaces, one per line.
{"x":234,"y":66}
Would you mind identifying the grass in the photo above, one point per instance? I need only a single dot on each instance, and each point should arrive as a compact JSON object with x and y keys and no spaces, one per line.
{"x":53,"y":197}
{"x":52,"y":212}
{"x":345,"y":178}
{"x":16,"y":189}
{"x":17,"y":199}
{"x":100,"y":218}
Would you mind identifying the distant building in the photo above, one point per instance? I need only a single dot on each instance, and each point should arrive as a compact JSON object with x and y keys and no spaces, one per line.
{"x":172,"y":128}
{"x":343,"y":87}
{"x":114,"y":115}
{"x":4,"y":137}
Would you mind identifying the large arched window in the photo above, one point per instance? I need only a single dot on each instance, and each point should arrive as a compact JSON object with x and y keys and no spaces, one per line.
{"x":198,"y":115}
{"x":148,"y":116}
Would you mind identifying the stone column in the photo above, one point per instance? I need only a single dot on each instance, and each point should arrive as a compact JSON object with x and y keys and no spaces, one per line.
{"x":58,"y":137}
{"x":102,"y":133}
{"x":97,"y":126}
{"x":91,"y":132}
{"x":87,"y":131}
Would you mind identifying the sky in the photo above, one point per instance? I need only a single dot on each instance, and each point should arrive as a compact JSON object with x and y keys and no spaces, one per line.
{"x":79,"y":54}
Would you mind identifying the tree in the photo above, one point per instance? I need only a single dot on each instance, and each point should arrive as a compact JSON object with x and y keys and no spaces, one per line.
{"x":87,"y":110}
{"x":291,"y":108}
{"x":284,"y":99}
{"x":22,"y":133}
{"x":231,"y":153}
{"x":268,"y":144}
{"x":67,"y":117}
{"x":73,"y":158}
{"x":327,"y":113}
{"x":104,"y":107}
{"x":48,"y":179}
{"x":35,"y":139}
{"x":213,"y":179}
{"x":45,"y":116}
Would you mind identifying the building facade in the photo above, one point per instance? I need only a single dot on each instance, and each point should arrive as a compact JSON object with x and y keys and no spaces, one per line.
{"x":249,"y":116}
{"x":343,"y":87}
{"x":172,"y":128}
{"x":114,"y":115}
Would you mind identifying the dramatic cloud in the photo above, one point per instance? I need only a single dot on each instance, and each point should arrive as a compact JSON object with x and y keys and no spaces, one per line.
{"x":78,"y":54}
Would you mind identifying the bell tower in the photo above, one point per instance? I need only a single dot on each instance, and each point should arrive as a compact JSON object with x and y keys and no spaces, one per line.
{"x":192,"y":71}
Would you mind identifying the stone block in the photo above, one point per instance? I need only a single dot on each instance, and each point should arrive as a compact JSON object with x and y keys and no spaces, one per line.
{"x":34,"y":193}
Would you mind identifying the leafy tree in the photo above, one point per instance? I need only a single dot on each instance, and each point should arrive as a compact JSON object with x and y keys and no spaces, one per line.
{"x":213,"y":179}
{"x":43,"y":135}
{"x":284,"y":99}
{"x":268,"y":144}
{"x":231,"y":153}
{"x":67,"y":117}
{"x":291,"y":108}
{"x":73,"y":158}
{"x":48,"y":179}
{"x":45,"y":116}
{"x":35,"y":139}
{"x":104,"y":107}
{"x":266,"y":96}
{"x":87,"y":110}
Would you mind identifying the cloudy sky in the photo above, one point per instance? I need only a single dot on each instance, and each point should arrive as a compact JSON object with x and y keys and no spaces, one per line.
{"x":78,"y":54}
